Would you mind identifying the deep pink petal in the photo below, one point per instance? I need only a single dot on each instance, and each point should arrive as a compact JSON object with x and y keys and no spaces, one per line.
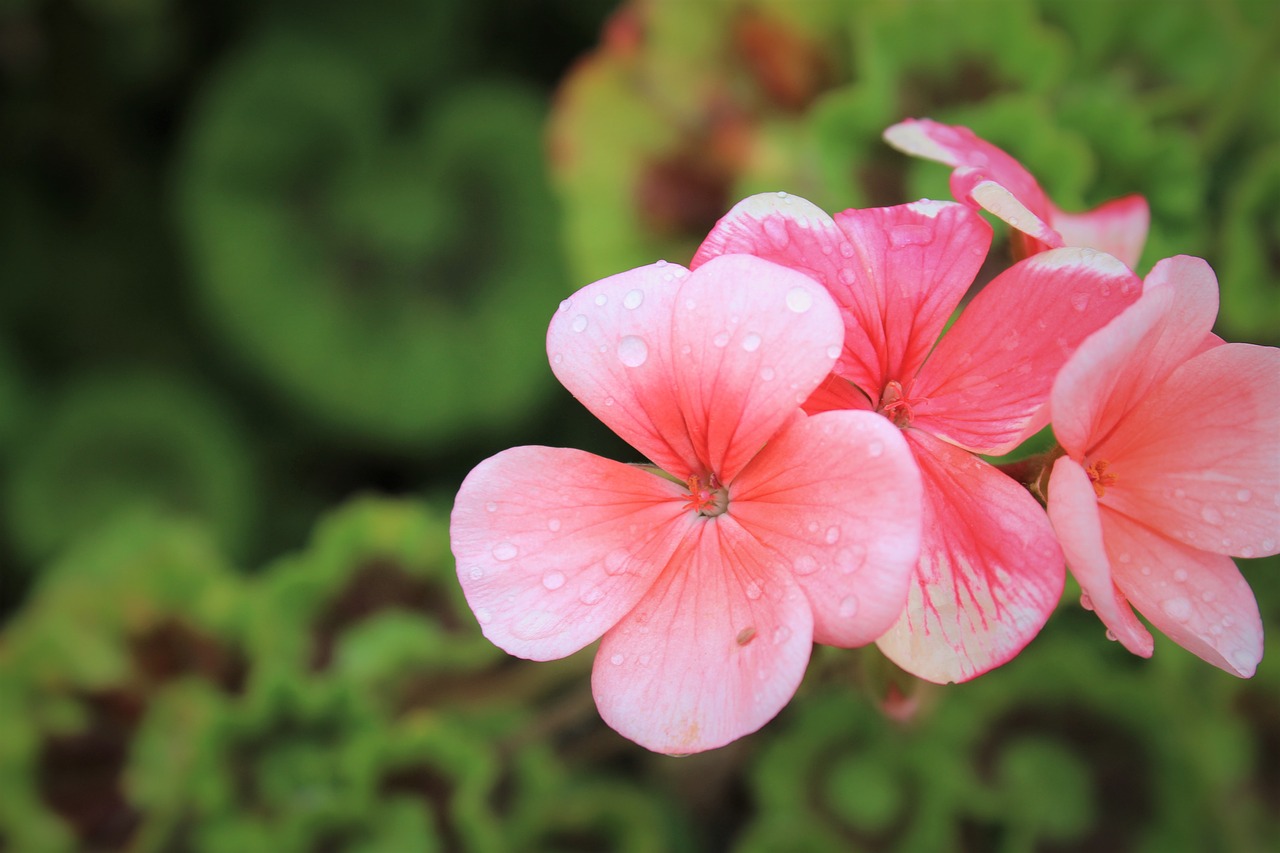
{"x":610,"y":345}
{"x":835,"y":500}
{"x":986,"y":384}
{"x":778,"y":227}
{"x":712,"y":652}
{"x":554,"y":546}
{"x":911,"y":266}
{"x":752,"y":341}
{"x":990,"y":569}
{"x":1077,"y":521}
{"x":836,"y":393}
{"x":1118,"y":227}
{"x":1117,"y":367}
{"x":1197,"y":599}
{"x":1198,"y":459}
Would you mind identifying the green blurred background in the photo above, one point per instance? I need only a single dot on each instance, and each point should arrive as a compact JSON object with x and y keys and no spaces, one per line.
{"x":275,"y":275}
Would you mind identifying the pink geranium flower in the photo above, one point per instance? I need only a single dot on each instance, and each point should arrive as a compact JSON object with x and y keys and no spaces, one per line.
{"x":1172,"y":466}
{"x":990,"y":568}
{"x":990,"y":179}
{"x":708,"y":577}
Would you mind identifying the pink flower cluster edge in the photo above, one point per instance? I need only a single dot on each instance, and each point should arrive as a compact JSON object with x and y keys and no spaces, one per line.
{"x":814,"y":447}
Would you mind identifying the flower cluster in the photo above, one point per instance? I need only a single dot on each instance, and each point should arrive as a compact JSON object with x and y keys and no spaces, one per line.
{"x":815,"y":434}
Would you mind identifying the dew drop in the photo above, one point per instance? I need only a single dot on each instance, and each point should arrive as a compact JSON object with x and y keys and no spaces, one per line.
{"x":536,"y":625}
{"x":1180,"y":575}
{"x":609,"y":401}
{"x":601,"y":300}
{"x":632,"y":351}
{"x":476,"y":573}
{"x":799,"y":300}
{"x":875,"y":448}
{"x":483,"y":616}
{"x":766,"y":373}
{"x":781,"y":634}
{"x":554,"y":525}
{"x":579,"y":323}
{"x":721,"y":339}
{"x":849,"y":560}
{"x":846,"y":276}
{"x":1146,"y":570}
{"x":805,"y":565}
{"x":1177,"y":608}
{"x":553,"y":580}
{"x":564,"y":304}
{"x":1208,"y":596}
{"x":1085,"y":601}
{"x":1210,"y":514}
{"x":557,"y":358}
{"x":1080,"y":300}
{"x":848,"y":606}
{"x":591,"y":595}
{"x":1243,"y":495}
{"x":491,"y":506}
{"x":616,"y":660}
{"x":1247,"y":552}
{"x":833,"y":535}
{"x":615,"y":562}
{"x":1268,"y":544}
{"x":505,"y":551}
{"x":1243,"y":660}
{"x":633,"y":299}
{"x":846,"y":250}
{"x":1111,"y":635}
{"x":661,"y":263}
{"x":751,"y":342}
{"x":753,"y":590}
{"x":1124,"y":558}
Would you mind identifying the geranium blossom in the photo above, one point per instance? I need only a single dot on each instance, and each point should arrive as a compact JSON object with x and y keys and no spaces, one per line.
{"x":990,"y":569}
{"x":988,"y":178}
{"x":708,"y":577}
{"x":1172,"y":467}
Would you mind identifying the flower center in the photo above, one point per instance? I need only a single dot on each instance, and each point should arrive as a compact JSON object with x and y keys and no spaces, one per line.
{"x":894,"y":405}
{"x":1100,"y":477}
{"x":709,"y":500}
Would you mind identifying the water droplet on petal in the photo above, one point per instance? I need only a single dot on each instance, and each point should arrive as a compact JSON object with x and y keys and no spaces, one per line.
{"x":1243,"y":495}
{"x":1111,"y":635}
{"x":535,"y":625}
{"x":875,"y":448}
{"x":553,"y":580}
{"x":799,"y":300}
{"x":1243,"y":660}
{"x":751,"y":342}
{"x":1211,"y":514}
{"x":721,"y":339}
{"x":833,"y":535}
{"x":602,"y":300}
{"x":1124,"y":558}
{"x":632,"y":351}
{"x":633,"y":299}
{"x":617,"y":659}
{"x":591,"y":595}
{"x":609,"y":401}
{"x":1180,"y":575}
{"x":1085,"y":601}
{"x":846,"y":276}
{"x":848,"y":606}
{"x":579,"y":323}
{"x":766,"y":373}
{"x":846,"y":249}
{"x":554,"y":525}
{"x":1268,"y":544}
{"x":505,"y":551}
{"x":781,"y":634}
{"x":753,"y":590}
{"x":483,"y":616}
{"x":849,"y":560}
{"x":475,"y":573}
{"x":833,"y":351}
{"x":1177,"y":608}
{"x":491,"y":506}
{"x":805,"y":565}
{"x":615,"y":562}
{"x":1208,"y":596}
{"x":1247,"y":552}
{"x":1080,"y":300}
{"x":557,"y":358}
{"x":1146,"y":570}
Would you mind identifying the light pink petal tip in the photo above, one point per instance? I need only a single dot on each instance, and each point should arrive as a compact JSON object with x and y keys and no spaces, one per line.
{"x":835,"y":500}
{"x":989,"y":575}
{"x":1118,"y":227}
{"x":1073,"y":510}
{"x":554,"y":546}
{"x":715,"y":650}
{"x":986,"y":385}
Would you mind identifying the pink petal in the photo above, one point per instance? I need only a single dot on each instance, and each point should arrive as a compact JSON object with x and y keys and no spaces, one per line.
{"x":1118,"y":227}
{"x":714,"y":650}
{"x":912,"y":265}
{"x":986,"y":384}
{"x":1198,"y":459}
{"x":1114,"y":369}
{"x":610,"y":346}
{"x":836,"y":393}
{"x":835,"y":500}
{"x":778,"y":227}
{"x":1198,"y":600}
{"x":1032,"y":234}
{"x":554,"y":546}
{"x":752,"y":341}
{"x":1073,"y":510}
{"x":990,"y":569}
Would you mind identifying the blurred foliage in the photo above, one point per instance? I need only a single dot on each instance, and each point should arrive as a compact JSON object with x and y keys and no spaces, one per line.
{"x":259,"y":257}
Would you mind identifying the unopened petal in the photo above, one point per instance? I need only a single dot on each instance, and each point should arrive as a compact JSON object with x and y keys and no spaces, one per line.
{"x":986,"y":385}
{"x":835,"y":499}
{"x":554,"y":546}
{"x":1198,"y":600}
{"x":990,"y":569}
{"x":1073,"y":510}
{"x":712,"y":652}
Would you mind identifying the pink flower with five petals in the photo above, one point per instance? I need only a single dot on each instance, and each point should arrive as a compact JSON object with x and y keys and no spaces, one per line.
{"x":761,"y":529}
{"x":1172,"y":466}
{"x":990,"y":179}
{"x":990,"y":569}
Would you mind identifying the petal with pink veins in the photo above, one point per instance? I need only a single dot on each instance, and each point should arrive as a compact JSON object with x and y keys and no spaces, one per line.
{"x":712,"y":652}
{"x":836,"y":393}
{"x":1077,"y":521}
{"x":835,"y":500}
{"x":1118,"y":227}
{"x":778,"y":227}
{"x":1117,"y":367}
{"x":1198,"y":459}
{"x":752,"y":340}
{"x":1198,"y":600}
{"x":610,"y":346}
{"x":554,"y":546}
{"x":990,"y":569}
{"x":986,"y":385}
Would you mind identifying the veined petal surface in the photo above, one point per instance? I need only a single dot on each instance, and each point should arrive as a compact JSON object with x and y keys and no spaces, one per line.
{"x":835,"y":500}
{"x":714,"y":650}
{"x":554,"y":546}
{"x":990,"y":569}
